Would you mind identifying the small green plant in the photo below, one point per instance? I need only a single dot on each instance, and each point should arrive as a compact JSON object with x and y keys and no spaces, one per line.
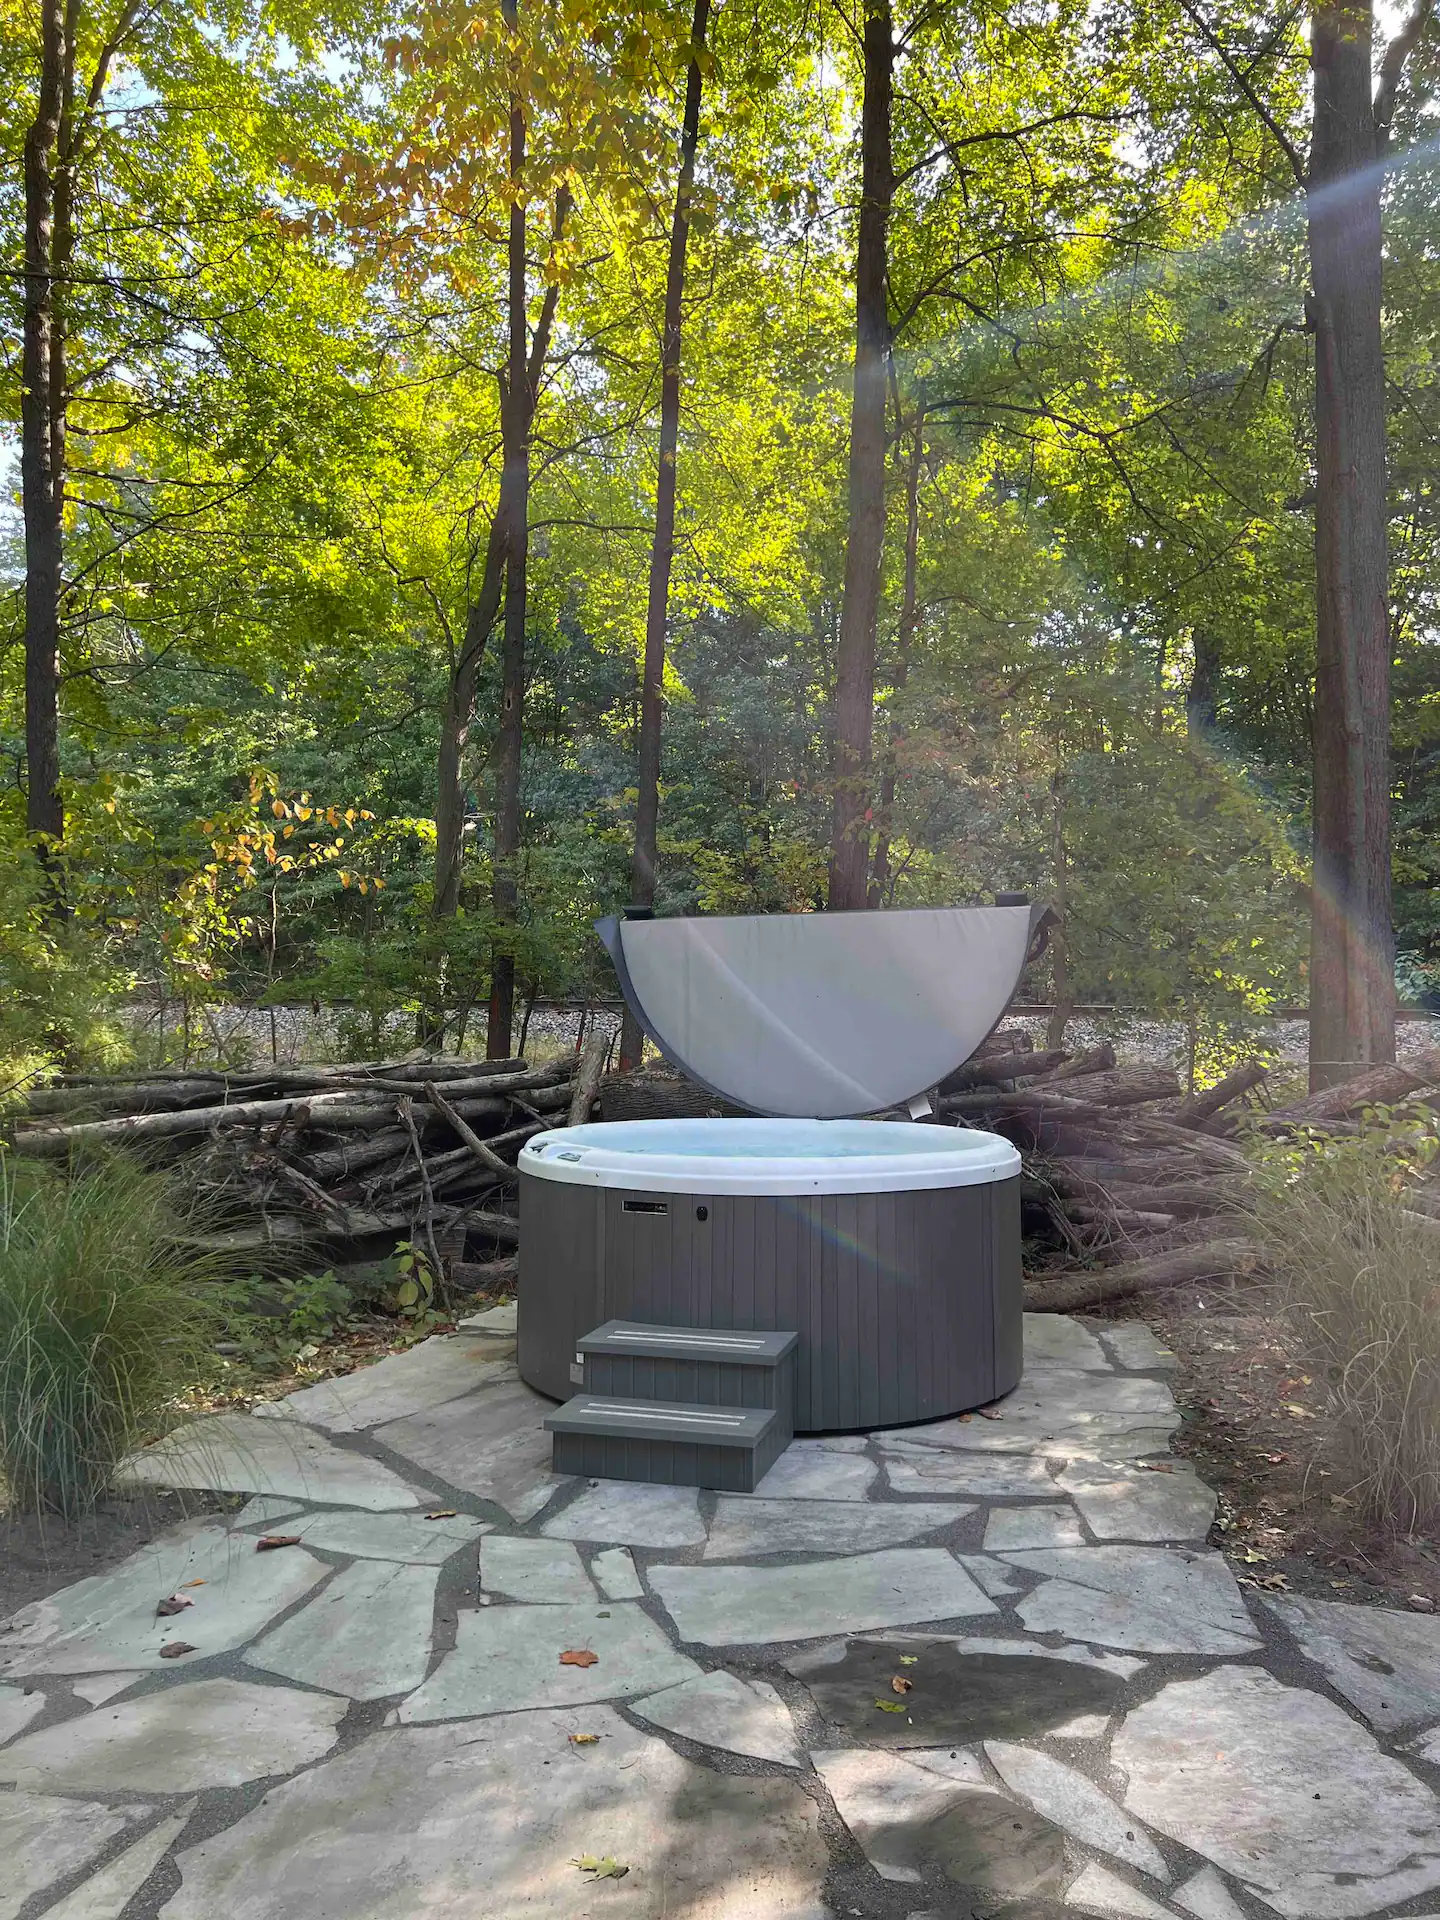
{"x":1355,"y":1250}
{"x":415,"y":1286}
{"x":272,"y":1323}
{"x":105,"y":1319}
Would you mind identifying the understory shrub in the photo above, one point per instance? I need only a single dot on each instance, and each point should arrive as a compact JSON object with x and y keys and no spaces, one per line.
{"x":1357,"y":1263}
{"x":106,"y":1316}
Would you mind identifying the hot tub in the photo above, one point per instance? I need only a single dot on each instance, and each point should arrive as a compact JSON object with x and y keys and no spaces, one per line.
{"x":891,"y":1249}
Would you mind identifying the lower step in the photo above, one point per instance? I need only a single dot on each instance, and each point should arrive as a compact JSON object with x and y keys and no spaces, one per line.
{"x":671,"y":1443}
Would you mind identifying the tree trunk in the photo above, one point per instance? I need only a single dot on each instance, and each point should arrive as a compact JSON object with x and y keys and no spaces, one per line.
{"x":515,"y":429}
{"x":42,"y":438}
{"x":662,"y":550}
{"x":1203,"y":693}
{"x":1352,"y":965}
{"x":1061,"y":990}
{"x":855,"y":656}
{"x":880,"y":878}
{"x":456,"y":722}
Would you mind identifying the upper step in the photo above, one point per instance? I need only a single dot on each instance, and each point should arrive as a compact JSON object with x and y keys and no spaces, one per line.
{"x":720,"y":1345}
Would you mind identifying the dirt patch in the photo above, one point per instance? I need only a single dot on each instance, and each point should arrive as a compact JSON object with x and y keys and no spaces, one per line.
{"x":40,"y":1553}
{"x":1257,"y":1430}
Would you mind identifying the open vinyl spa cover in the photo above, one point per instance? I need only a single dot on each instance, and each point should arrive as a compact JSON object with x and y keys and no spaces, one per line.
{"x":821,"y":1014}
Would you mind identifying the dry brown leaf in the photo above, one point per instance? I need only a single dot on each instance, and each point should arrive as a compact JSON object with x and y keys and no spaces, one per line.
{"x":192,"y":1583}
{"x":584,"y":1739}
{"x":901,"y":1685}
{"x":988,"y":1413}
{"x":171,"y":1604}
{"x":173,"y":1649}
{"x":442,"y":1513}
{"x":579,"y":1657}
{"x":268,"y":1542}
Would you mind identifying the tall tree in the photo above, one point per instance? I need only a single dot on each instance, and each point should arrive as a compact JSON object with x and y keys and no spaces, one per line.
{"x":662,"y":548}
{"x":865,"y":532}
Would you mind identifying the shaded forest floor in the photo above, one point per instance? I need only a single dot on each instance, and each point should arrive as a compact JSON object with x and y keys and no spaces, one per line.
{"x":1256,"y":1429}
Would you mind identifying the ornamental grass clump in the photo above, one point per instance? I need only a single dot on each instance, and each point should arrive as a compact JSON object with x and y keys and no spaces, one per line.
{"x":1355,"y":1253}
{"x":105,"y":1319}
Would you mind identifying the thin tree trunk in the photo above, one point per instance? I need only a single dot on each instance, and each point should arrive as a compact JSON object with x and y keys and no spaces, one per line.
{"x":1352,"y":985}
{"x":457,"y":719}
{"x":662,"y":549}
{"x":855,"y":655}
{"x":1203,"y":693}
{"x":885,"y":825}
{"x":42,"y":471}
{"x":1063,"y":993}
{"x":504,"y":889}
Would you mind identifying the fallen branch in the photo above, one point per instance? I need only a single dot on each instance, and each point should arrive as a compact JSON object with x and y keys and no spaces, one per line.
{"x":1200,"y":1106}
{"x":1065,"y":1292}
{"x":1376,"y":1087}
{"x":587,"y":1081}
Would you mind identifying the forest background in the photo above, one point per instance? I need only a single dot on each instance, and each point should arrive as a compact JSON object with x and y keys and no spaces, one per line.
{"x":358,"y":442}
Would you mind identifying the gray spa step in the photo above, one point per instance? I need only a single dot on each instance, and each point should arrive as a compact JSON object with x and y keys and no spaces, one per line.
{"x":673,"y":1443}
{"x":691,"y":1366}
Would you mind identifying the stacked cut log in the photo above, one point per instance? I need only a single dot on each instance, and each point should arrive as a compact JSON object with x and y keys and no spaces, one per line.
{"x":328,"y":1161}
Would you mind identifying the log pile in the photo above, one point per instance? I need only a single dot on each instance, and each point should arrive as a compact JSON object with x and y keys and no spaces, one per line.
{"x":329,"y":1162}
{"x":1127,"y":1187}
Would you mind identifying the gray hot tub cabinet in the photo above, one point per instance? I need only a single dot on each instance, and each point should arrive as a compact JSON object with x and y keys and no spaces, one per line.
{"x":906,"y":1300}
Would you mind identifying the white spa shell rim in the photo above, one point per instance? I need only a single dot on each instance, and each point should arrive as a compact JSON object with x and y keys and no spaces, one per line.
{"x":767,"y":1157}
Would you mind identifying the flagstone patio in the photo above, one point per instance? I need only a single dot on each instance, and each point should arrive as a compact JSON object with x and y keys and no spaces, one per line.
{"x":982,"y":1668}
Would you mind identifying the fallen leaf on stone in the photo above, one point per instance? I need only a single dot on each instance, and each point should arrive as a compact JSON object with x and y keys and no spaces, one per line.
{"x":192,"y":1583}
{"x":268,"y":1542}
{"x":1156,"y":1466}
{"x":173,"y":1649}
{"x":1420,"y":1603}
{"x":891,"y":1706}
{"x":442,"y":1513}
{"x":988,"y":1413}
{"x":584,"y":1739}
{"x":901,"y":1685}
{"x":172,"y":1603}
{"x":909,"y":1659}
{"x":607,"y":1869}
{"x":579,"y":1657}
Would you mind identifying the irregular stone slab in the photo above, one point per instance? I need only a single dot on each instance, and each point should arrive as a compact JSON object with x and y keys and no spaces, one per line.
{"x":109,"y":1621}
{"x":748,"y":1606}
{"x":936,"y":1810}
{"x":1087,"y":1726}
{"x":1075,"y":1803}
{"x":1280,"y":1788}
{"x":456,"y":1822}
{"x":18,"y":1708}
{"x":366,"y":1636}
{"x":424,"y":1376}
{"x":631,"y":1513}
{"x":206,"y":1733}
{"x":1151,"y":1599}
{"x":501,"y":1320}
{"x":506,"y":1658}
{"x":1385,"y":1663}
{"x":542,"y":1572}
{"x":97,"y":1688}
{"x":746,"y":1526}
{"x":1053,"y":1433}
{"x":1009,"y":1528}
{"x":390,"y":1536}
{"x":721,"y":1710}
{"x":1099,"y":1891}
{"x":1207,"y":1897}
{"x":961,"y":1690}
{"x":236,"y":1453}
{"x":1135,"y":1347}
{"x":1126,"y":1503}
{"x":614,"y":1572}
{"x":990,"y":1574}
{"x":1055,"y":1340}
{"x":933,"y":1470}
{"x":492,"y":1444}
{"x":263,"y":1510}
{"x":106,"y":1895}
{"x":44,"y":1840}
{"x":1428,"y":1748}
{"x":817,"y":1474}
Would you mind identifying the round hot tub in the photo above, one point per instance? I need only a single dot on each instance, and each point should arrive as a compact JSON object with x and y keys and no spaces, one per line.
{"x":892,"y":1250}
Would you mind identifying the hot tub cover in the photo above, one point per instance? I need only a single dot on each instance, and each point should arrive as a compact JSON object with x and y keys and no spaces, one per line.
{"x":822,"y":1014}
{"x":763,"y":1157}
